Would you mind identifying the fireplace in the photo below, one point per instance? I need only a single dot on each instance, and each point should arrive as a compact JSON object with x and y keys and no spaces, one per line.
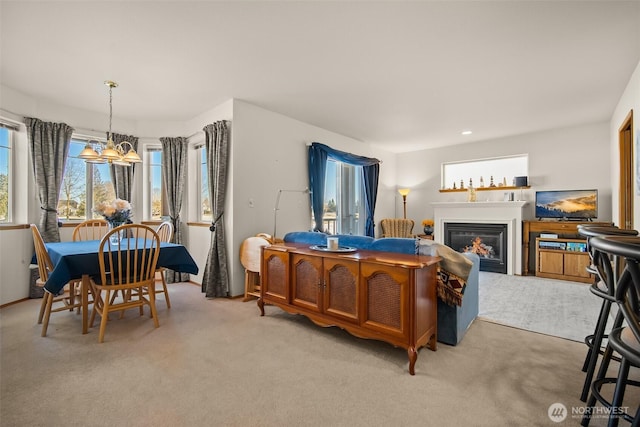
{"x":489,"y":241}
{"x":509,"y":213}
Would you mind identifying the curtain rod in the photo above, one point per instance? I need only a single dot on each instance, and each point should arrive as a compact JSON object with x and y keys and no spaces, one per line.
{"x":14,"y":124}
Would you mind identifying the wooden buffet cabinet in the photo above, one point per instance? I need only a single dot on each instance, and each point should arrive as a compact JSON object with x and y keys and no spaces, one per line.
{"x":385,"y":296}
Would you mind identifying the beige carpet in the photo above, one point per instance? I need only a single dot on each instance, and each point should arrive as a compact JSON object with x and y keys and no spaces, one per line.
{"x":218,"y":363}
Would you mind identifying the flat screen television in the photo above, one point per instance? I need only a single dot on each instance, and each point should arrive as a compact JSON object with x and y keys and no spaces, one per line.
{"x":567,"y":204}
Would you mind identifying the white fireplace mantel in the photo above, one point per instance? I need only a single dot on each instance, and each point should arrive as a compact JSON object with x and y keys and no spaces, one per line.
{"x":509,"y":213}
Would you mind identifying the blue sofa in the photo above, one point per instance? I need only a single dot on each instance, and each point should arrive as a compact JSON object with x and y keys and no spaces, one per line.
{"x":453,"y":321}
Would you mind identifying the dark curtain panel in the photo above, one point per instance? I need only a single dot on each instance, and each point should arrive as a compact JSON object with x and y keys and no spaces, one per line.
{"x":317,"y":174}
{"x":215,"y":281}
{"x":49,"y":148}
{"x":174,"y":177}
{"x":318,"y":156}
{"x":370,"y":175}
{"x":122,"y":176}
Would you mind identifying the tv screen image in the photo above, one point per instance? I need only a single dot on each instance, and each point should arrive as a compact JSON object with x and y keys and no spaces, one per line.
{"x":569,"y":204}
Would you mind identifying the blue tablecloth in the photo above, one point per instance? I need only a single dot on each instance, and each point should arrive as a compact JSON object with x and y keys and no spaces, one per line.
{"x":73,"y":259}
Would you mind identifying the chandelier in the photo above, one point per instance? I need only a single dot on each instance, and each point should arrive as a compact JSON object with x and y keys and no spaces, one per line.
{"x":117,"y":154}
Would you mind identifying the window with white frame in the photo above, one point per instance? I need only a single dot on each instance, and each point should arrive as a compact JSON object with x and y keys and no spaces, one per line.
{"x":155,"y":190}
{"x":344,"y":211}
{"x":496,"y":171}
{"x":204,"y":201}
{"x":84,"y":185}
{"x":6,"y":139}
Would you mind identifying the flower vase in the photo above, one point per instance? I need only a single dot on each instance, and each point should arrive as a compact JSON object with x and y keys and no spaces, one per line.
{"x":115,"y":238}
{"x":428,"y":230}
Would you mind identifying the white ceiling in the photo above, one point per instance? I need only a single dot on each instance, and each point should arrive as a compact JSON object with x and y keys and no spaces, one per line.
{"x":404,"y":75}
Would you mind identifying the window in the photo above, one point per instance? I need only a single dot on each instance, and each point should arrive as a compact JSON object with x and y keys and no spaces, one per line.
{"x":204,"y":199}
{"x":499,"y":171}
{"x":156,"y":187}
{"x":84,"y":185}
{"x":5,"y":175}
{"x":344,"y":212}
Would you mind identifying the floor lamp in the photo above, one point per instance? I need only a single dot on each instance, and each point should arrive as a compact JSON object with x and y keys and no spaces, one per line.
{"x":277,"y":207}
{"x":403,"y":192}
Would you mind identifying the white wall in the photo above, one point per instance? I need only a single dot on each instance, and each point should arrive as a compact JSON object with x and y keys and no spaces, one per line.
{"x":630,"y":100}
{"x":270,"y":153}
{"x":559,"y":159}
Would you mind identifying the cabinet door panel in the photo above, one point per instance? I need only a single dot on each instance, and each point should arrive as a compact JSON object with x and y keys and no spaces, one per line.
{"x":341,"y":288}
{"x":385,"y":290}
{"x":576,"y":264}
{"x":551,"y":262}
{"x":275,"y":277}
{"x":307,"y":281}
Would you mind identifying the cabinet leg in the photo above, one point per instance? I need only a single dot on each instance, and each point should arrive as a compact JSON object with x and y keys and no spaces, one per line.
{"x":261,"y":306}
{"x":413,"y":356}
{"x":433,"y":343}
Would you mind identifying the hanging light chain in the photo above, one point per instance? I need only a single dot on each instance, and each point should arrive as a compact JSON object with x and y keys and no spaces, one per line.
{"x":111,"y":85}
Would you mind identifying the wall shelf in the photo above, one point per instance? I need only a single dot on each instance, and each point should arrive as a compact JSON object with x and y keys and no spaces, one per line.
{"x":462,"y":190}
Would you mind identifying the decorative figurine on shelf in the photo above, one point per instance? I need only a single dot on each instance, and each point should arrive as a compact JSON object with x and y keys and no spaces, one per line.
{"x":461,"y":184}
{"x":481,"y":182}
{"x":427,"y":225}
{"x":491,"y":184}
{"x":470,"y":182}
{"x":504,"y":181}
{"x":454,"y":185}
{"x":471,"y":193}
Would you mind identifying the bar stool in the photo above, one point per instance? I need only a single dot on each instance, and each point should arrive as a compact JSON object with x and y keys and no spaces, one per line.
{"x":604,"y":287}
{"x":624,"y":340}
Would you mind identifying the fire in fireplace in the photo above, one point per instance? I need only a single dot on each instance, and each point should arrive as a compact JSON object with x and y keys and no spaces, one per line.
{"x":489,"y":241}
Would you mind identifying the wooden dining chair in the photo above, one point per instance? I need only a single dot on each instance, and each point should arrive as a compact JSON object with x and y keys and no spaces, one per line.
{"x":129,"y":266}
{"x":70,"y":297}
{"x":91,"y":229}
{"x":165,"y":232}
{"x":250,"y":258}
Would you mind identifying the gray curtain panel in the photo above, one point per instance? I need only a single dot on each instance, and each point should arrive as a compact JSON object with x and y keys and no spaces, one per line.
{"x":122,"y":176}
{"x":174,"y":177}
{"x":49,"y":144}
{"x":215,"y":281}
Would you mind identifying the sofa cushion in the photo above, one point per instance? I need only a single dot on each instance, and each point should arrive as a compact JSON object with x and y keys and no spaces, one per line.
{"x":403,"y":245}
{"x":309,"y":237}
{"x":359,"y":242}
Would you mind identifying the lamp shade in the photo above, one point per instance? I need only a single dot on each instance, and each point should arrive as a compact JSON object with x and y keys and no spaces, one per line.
{"x":88,"y":153}
{"x":132,"y":157}
{"x":404,"y":191}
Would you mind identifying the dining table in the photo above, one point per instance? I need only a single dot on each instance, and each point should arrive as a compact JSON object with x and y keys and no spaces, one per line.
{"x":80,"y":260}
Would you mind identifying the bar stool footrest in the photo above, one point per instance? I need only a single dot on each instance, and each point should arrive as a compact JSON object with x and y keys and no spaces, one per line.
{"x":588,"y":340}
{"x":595,"y":391}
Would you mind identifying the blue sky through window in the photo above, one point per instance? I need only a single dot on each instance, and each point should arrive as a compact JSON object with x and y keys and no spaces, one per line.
{"x":4,"y":153}
{"x":330,"y":181}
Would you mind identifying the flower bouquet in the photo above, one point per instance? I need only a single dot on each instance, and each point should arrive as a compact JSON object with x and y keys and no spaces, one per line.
{"x":117,"y":213}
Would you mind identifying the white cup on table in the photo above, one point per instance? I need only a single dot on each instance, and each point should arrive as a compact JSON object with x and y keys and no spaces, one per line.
{"x":332,"y":243}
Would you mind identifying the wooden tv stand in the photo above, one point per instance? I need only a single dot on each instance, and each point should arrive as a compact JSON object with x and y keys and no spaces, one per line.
{"x":564,"y":229}
{"x":385,"y":296}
